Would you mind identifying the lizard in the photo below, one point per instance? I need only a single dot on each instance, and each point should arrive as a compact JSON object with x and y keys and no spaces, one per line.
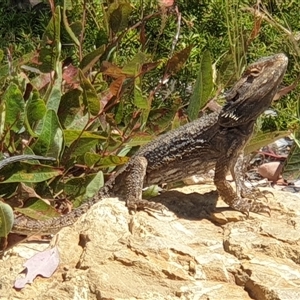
{"x":215,"y":140}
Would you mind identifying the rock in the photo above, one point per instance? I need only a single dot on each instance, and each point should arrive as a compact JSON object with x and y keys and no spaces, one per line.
{"x":271,"y":170}
{"x":195,"y":251}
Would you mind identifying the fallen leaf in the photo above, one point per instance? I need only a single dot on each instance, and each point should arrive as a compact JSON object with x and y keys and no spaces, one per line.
{"x":43,"y":263}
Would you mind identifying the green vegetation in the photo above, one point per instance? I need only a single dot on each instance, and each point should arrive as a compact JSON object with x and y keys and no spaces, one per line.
{"x":87,"y":82}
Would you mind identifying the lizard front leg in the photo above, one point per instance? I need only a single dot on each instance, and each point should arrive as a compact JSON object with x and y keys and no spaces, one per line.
{"x":238,"y":174}
{"x":134,"y":180}
{"x":234,"y":199}
{"x":237,"y":171}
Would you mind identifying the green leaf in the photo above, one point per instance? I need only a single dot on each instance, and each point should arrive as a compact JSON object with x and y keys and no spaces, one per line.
{"x":92,"y":159}
{"x":102,"y":38}
{"x":94,"y":185}
{"x":51,"y":36}
{"x":203,"y":87}
{"x":76,"y":27}
{"x":50,"y":47}
{"x":228,"y":72}
{"x":2,"y":118}
{"x":91,"y":58}
{"x":69,"y":107}
{"x":177,"y":121}
{"x":262,"y":139}
{"x":14,"y":107}
{"x":68,"y":6}
{"x":35,"y":108}
{"x":89,"y":95}
{"x":80,"y":121}
{"x":8,"y":189}
{"x":120,"y":112}
{"x":38,"y":209}
{"x":54,"y":93}
{"x":81,"y":146}
{"x":140,"y":100}
{"x":118,"y":14}
{"x":207,"y":77}
{"x":6,"y":219}
{"x":73,"y":135}
{"x":151,"y":191}
{"x":139,"y":139}
{"x":161,"y":119}
{"x":133,"y":67}
{"x":26,"y":172}
{"x":298,"y":110}
{"x":25,"y":59}
{"x":92,"y":188}
{"x":291,"y":168}
{"x":1,"y":55}
{"x":50,"y":140}
{"x":46,"y":60}
{"x":83,"y":187}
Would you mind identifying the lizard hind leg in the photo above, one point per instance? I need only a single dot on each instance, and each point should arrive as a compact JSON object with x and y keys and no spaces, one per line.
{"x":136,"y":172}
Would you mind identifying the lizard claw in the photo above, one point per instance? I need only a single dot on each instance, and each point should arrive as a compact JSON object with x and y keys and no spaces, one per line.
{"x":256,"y":193}
{"x":144,"y":204}
{"x":259,"y":207}
{"x":264,"y":193}
{"x":246,"y":205}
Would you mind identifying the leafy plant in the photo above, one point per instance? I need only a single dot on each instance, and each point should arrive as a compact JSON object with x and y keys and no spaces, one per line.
{"x":88,"y":117}
{"x":99,"y":83}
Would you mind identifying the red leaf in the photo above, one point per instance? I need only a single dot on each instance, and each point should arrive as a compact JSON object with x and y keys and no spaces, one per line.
{"x":111,"y":70}
{"x":177,"y":61}
{"x":116,"y":86}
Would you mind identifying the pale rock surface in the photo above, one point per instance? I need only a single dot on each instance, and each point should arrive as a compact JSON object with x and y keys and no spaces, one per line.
{"x":190,"y":253}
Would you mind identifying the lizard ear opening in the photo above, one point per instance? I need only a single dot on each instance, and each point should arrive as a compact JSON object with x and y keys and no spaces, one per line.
{"x":235,"y":98}
{"x":231,"y":96}
{"x":250,"y":78}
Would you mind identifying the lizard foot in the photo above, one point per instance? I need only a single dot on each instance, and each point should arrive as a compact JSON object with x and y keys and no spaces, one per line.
{"x":255,"y":193}
{"x":247,"y":205}
{"x":144,"y":204}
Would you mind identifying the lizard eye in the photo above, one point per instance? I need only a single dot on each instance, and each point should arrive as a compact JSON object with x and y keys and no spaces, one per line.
{"x":255,"y":72}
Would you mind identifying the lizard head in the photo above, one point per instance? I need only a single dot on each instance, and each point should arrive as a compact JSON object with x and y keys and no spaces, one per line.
{"x":254,"y":92}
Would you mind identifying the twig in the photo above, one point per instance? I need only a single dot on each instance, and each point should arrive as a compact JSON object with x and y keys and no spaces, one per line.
{"x":175,"y":40}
